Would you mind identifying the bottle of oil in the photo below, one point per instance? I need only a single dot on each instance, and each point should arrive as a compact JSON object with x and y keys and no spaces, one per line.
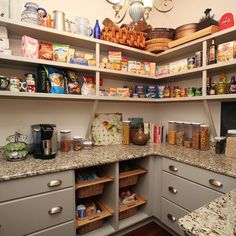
{"x":212,"y":52}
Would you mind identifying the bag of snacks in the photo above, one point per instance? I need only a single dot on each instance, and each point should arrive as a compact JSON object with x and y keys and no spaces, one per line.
{"x":73,"y":82}
{"x":89,"y":86}
{"x":60,"y":52}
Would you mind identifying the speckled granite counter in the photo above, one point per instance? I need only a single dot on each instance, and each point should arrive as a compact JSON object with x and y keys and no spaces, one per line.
{"x":109,"y":154}
{"x":215,"y":218}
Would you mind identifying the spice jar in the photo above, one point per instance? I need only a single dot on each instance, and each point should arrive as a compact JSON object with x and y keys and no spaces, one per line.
{"x":180,"y":133}
{"x":126,"y":132}
{"x":77,"y":143}
{"x":230,"y":150}
{"x":220,"y":145}
{"x":172,"y":129}
{"x":188,"y":134}
{"x":65,"y":140}
{"x":196,"y":136}
{"x":205,"y":138}
{"x":88,"y":145}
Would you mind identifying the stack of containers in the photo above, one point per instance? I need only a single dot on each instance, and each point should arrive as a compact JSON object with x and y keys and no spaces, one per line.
{"x":188,"y":134}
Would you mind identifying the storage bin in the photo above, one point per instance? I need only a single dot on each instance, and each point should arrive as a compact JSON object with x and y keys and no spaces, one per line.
{"x":90,"y":188}
{"x":130,"y":178}
{"x":91,"y":223}
{"x":131,"y":208}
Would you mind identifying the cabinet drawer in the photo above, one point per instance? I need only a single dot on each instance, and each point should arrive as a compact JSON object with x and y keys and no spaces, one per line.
{"x":185,"y":193}
{"x":170,"y":214}
{"x":219,"y":182}
{"x":31,"y":214}
{"x":18,"y":188}
{"x":66,"y":229}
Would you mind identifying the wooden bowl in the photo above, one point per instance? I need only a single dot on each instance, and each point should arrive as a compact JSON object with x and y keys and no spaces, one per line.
{"x":185,"y":30}
{"x":160,"y":33}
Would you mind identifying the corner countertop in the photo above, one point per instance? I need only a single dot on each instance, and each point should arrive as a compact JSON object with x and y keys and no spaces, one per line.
{"x":109,"y":154}
{"x":215,"y":218}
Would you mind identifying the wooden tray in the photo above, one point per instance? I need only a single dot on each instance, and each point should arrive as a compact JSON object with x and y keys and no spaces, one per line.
{"x":201,"y":33}
{"x":105,"y":212}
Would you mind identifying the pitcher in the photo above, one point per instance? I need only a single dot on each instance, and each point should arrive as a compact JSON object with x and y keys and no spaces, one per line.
{"x":83,"y":26}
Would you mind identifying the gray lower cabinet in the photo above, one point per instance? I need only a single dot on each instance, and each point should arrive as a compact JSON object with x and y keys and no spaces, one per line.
{"x":65,"y":229}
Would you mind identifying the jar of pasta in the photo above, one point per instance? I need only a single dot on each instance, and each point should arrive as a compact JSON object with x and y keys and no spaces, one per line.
{"x":196,"y":136}
{"x":172,"y":129}
{"x":126,"y":132}
{"x":180,"y":133}
{"x":204,"y":138}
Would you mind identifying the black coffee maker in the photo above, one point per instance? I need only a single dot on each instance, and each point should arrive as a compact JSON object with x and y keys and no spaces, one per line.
{"x":44,"y":141}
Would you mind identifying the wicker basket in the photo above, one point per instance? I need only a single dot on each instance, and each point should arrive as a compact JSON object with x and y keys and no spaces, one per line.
{"x":130,"y":178}
{"x":90,"y":227}
{"x":91,"y":187}
{"x":128,"y":213}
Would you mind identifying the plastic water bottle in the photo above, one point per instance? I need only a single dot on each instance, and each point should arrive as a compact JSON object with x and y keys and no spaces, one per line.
{"x":97,"y":31}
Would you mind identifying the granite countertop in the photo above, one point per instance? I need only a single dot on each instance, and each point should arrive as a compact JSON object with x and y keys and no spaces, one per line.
{"x":215,"y":218}
{"x":109,"y":154}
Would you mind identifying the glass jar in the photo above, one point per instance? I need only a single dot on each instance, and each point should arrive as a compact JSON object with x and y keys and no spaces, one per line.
{"x":204,"y":138}
{"x":88,"y":145}
{"x":172,"y":129}
{"x":220,"y":145}
{"x":126,"y":132}
{"x":30,"y":14}
{"x":230,"y":150}
{"x":65,"y":140}
{"x":188,"y":134}
{"x":180,"y":133}
{"x":196,"y":136}
{"x":77,"y":143}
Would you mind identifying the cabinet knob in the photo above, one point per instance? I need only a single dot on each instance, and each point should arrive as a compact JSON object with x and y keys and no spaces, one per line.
{"x":170,"y":217}
{"x":55,"y":210}
{"x":215,"y":183}
{"x":54,"y":183}
{"x":173,"y":168}
{"x":173,"y":190}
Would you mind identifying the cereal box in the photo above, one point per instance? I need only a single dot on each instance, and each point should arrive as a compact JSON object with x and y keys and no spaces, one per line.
{"x":226,"y":51}
{"x":152,"y":68}
{"x":132,"y":66}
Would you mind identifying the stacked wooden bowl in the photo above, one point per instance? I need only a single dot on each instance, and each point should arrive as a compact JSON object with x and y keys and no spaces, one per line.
{"x":185,"y":30}
{"x":158,"y":39}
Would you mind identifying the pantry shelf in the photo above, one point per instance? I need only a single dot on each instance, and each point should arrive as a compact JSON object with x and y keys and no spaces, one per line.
{"x":215,"y":68}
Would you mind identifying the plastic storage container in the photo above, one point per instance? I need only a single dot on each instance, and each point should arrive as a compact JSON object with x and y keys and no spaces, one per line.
{"x":196,"y":136}
{"x":180,"y":133}
{"x":188,"y":134}
{"x":172,"y":129}
{"x":126,"y":132}
{"x":230,"y":150}
{"x":205,"y":138}
{"x":65,"y":140}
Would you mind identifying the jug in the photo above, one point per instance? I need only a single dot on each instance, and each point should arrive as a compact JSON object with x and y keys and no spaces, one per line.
{"x":83,"y":27}
{"x":59,"y":21}
{"x":31,"y":14}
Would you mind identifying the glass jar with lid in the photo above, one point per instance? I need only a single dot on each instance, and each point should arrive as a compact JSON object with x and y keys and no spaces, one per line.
{"x":196,"y":136}
{"x":230,"y":150}
{"x":188,"y":134}
{"x":204,"y":138}
{"x":77,"y":143}
{"x":65,"y":140}
{"x":180,"y":133}
{"x":172,"y":129}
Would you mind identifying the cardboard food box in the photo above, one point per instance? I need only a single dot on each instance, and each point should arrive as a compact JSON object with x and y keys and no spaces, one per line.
{"x":178,"y":66}
{"x":162,"y":70}
{"x":226,"y":51}
{"x":132,"y":66}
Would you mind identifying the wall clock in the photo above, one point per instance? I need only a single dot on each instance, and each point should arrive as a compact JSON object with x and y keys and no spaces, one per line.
{"x":163,"y":5}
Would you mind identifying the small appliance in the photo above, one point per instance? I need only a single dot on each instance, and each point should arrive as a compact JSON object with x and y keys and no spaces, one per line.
{"x":44,"y":141}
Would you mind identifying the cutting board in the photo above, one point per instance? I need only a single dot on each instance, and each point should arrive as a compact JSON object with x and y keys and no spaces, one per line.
{"x":201,"y":33}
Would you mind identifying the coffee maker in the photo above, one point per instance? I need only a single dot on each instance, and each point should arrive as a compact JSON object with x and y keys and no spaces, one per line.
{"x":44,"y":141}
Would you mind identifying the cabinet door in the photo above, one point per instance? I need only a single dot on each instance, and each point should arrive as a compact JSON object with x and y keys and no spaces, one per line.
{"x":170,"y":214}
{"x":24,"y":187}
{"x":31,"y":214}
{"x":219,"y":182}
{"x":66,"y":229}
{"x":185,"y":193}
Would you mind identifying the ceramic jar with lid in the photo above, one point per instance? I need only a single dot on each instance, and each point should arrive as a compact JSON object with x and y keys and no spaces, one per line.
{"x":230,"y":150}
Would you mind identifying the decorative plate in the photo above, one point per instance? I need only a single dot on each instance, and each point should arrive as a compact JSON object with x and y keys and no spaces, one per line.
{"x":163,"y":5}
{"x":107,"y":129}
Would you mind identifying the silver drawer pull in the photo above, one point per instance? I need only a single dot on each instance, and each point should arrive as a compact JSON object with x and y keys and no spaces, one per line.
{"x":170,"y":217}
{"x":55,"y":210}
{"x":215,"y":183}
{"x":173,"y":168}
{"x":173,"y":190}
{"x":54,"y":183}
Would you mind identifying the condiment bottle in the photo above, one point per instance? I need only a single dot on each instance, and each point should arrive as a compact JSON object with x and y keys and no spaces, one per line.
{"x":126,"y":132}
{"x":232,"y":85}
{"x":220,"y":145}
{"x":97,"y":31}
{"x":65,"y":140}
{"x":212,"y":52}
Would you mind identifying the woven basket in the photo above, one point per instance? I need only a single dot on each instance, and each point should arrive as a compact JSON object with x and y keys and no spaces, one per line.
{"x":128,"y":181}
{"x":128,"y":213}
{"x":89,"y":191}
{"x":90,"y":227}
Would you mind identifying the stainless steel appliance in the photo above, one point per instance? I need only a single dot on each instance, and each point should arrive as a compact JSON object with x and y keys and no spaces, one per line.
{"x":44,"y":141}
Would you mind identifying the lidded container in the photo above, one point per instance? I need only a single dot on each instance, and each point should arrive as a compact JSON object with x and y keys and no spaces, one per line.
{"x":204,"y":138}
{"x":126,"y":132}
{"x":77,"y":143}
{"x":188,"y":134}
{"x":180,"y":133}
{"x":220,"y":145}
{"x":172,"y":129}
{"x":230,"y":150}
{"x":65,"y":140}
{"x":196,"y":135}
{"x":87,"y":144}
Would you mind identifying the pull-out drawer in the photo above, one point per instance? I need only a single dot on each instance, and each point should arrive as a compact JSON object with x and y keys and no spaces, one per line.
{"x":219,"y":182}
{"x":170,"y":214}
{"x":18,"y":188}
{"x":31,"y":214}
{"x":65,"y":229}
{"x":185,"y":193}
